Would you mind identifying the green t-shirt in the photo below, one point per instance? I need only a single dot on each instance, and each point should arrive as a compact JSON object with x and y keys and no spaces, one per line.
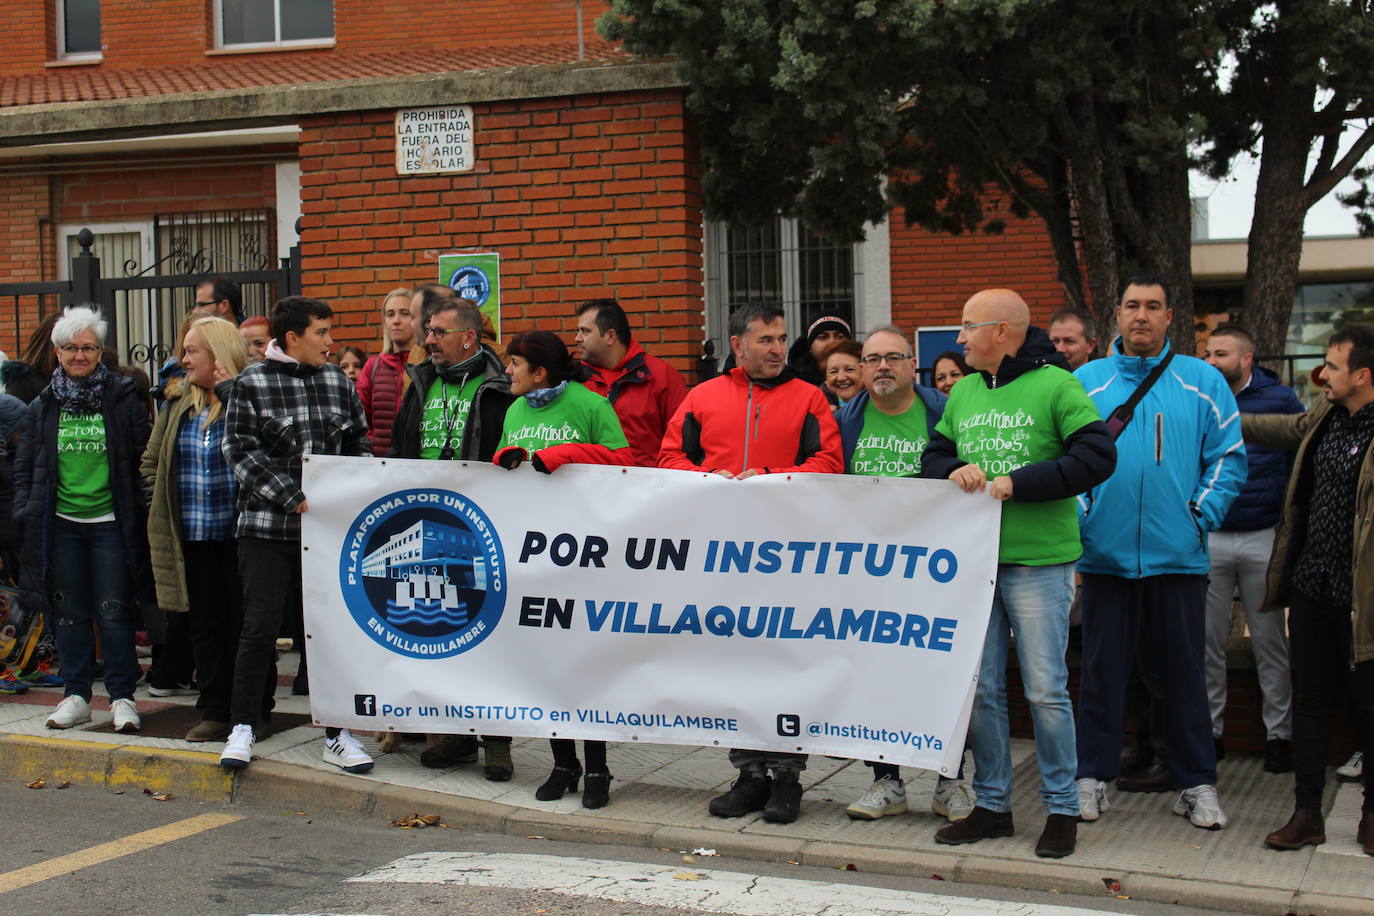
{"x":890,"y":445}
{"x":83,"y":467}
{"x":1008,"y":427}
{"x":445,"y":416}
{"x":576,"y":415}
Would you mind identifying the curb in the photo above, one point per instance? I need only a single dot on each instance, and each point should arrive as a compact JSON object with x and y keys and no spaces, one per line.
{"x":273,"y":784}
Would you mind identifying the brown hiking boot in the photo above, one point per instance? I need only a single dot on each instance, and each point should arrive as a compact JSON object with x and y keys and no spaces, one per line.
{"x":449,"y":751}
{"x":497,"y":765}
{"x":208,"y":730}
{"x":1304,"y":828}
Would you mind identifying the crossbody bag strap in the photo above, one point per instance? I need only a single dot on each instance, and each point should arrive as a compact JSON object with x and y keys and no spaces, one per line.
{"x":1121,"y":417}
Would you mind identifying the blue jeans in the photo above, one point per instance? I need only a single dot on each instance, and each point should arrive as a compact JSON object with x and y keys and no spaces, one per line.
{"x":1031,"y":603}
{"x":88,"y":580}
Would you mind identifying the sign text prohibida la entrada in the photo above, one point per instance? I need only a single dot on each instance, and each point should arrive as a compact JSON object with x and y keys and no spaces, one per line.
{"x":432,"y":140}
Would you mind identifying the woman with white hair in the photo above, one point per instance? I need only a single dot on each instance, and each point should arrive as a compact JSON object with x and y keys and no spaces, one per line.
{"x":80,"y":498}
{"x":382,"y":383}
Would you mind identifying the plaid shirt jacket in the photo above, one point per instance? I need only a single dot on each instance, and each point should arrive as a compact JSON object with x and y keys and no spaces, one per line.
{"x":277,"y":412}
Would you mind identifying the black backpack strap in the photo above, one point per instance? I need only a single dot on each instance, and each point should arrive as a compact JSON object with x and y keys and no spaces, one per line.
{"x":1121,"y":417}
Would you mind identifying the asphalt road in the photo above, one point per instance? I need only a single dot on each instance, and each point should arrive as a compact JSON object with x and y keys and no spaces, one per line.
{"x":84,"y":850}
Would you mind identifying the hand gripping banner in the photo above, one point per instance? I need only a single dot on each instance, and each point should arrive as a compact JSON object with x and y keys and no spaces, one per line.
{"x":814,"y":613}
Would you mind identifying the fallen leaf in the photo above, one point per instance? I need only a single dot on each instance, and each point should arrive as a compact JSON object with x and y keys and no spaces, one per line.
{"x":147,"y":791}
{"x":163,"y":797}
{"x":64,"y":784}
{"x":1111,"y":884}
{"x":850,"y":867}
{"x":687,"y":860}
{"x":937,"y":877}
{"x":416,"y":820}
{"x":689,"y":876}
{"x":38,"y":783}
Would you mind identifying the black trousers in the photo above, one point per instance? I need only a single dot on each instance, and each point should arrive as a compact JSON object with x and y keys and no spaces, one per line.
{"x":270,"y":572}
{"x":1323,"y":678}
{"x":214,"y":620}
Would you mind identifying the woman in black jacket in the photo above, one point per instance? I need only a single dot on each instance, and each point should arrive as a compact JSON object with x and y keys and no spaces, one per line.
{"x":80,"y":497}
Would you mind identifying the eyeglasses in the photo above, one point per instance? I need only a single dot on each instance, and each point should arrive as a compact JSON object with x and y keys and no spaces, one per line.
{"x":202,"y":305}
{"x":84,"y":351}
{"x":979,"y":324}
{"x":441,"y":333}
{"x":874,"y":359}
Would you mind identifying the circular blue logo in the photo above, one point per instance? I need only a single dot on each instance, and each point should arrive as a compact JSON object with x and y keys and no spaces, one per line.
{"x":423,"y":574}
{"x":471,"y":283}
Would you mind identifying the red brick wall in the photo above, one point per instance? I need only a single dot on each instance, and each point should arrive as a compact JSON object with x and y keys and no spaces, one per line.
{"x":933,"y":275}
{"x":137,"y":33}
{"x":582,"y":198}
{"x":25,"y":235}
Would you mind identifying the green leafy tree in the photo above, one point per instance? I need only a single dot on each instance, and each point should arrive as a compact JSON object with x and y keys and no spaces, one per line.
{"x":1088,"y":114}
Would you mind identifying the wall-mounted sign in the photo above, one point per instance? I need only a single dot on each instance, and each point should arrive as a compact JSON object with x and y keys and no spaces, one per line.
{"x":430,"y":140}
{"x":475,"y":276}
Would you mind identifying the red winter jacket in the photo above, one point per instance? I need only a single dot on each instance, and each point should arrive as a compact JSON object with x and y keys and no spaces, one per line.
{"x":381,"y":386}
{"x":645,"y":392}
{"x":780,"y":425}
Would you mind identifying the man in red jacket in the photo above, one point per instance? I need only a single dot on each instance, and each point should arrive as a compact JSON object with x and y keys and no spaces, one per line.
{"x":643,"y":389}
{"x":758,"y":418}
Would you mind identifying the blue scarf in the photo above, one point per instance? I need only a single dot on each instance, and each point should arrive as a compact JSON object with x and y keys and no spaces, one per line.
{"x":543,"y":397}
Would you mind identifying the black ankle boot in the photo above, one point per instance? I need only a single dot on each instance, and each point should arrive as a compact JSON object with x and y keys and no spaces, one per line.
{"x":784,"y":799}
{"x":596,"y":790}
{"x":561,"y":780}
{"x":749,"y":793}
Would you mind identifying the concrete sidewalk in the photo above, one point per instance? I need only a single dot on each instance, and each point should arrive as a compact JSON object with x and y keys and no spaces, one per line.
{"x":660,"y":792}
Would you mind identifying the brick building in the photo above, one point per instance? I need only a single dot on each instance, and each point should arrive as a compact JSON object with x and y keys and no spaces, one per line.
{"x":210,"y":126}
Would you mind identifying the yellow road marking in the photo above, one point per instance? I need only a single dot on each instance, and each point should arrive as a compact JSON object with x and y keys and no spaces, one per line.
{"x":85,"y":858}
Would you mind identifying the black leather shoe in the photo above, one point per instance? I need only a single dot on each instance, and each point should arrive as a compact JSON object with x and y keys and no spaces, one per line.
{"x":784,"y":801}
{"x":1059,"y":837}
{"x":981,"y":824}
{"x":1154,"y":778}
{"x":561,"y":780}
{"x":1219,"y":748}
{"x":749,"y":794}
{"x":596,"y":790}
{"x":1278,"y":756}
{"x":1365,"y":834}
{"x":1136,"y":758}
{"x":1304,"y":828}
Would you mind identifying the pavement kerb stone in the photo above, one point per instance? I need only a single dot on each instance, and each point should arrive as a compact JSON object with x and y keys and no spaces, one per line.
{"x":1163,"y":889}
{"x":1326,"y":905}
{"x":1039,"y":875}
{"x":729,"y":843}
{"x":196,"y":774}
{"x":882,"y":860}
{"x":579,"y":828}
{"x":25,"y":758}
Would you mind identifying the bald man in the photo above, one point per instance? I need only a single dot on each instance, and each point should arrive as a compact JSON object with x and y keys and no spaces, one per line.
{"x":1021,"y":430}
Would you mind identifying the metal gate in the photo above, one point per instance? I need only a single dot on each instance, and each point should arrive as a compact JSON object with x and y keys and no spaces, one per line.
{"x":145,"y":308}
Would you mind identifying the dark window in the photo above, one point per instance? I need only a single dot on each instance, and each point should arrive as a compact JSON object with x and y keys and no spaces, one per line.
{"x":80,"y":27}
{"x":249,"y":22}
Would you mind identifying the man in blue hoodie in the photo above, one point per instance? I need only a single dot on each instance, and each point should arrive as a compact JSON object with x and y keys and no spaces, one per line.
{"x":1180,"y":464}
{"x":1240,"y":551}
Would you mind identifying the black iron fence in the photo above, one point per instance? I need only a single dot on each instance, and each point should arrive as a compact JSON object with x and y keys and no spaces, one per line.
{"x":145,"y":310}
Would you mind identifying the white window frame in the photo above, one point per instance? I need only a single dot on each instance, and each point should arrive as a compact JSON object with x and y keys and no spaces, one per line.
{"x":278,"y":43}
{"x":872,"y":281}
{"x":61,"y":49}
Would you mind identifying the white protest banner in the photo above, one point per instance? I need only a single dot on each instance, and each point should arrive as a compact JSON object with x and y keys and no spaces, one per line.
{"x":817,"y":613}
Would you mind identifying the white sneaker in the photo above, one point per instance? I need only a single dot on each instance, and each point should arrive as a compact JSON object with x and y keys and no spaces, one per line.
{"x":953,"y":799}
{"x":346,"y":753}
{"x":1092,"y":798}
{"x":71,"y":711}
{"x":1201,"y":806}
{"x":125,"y":716}
{"x":1353,"y":769}
{"x":238,"y":750}
{"x":177,"y":690}
{"x":886,"y":796}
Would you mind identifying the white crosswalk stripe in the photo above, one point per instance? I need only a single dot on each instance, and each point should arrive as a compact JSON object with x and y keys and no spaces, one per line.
{"x":687,"y":887}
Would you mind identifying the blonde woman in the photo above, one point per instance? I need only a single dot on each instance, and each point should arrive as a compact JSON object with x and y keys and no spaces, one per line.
{"x":383,"y":381}
{"x":191,"y":519}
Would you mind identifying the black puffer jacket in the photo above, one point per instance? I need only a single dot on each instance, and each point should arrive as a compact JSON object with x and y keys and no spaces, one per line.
{"x":488,"y":412}
{"x":35,"y":487}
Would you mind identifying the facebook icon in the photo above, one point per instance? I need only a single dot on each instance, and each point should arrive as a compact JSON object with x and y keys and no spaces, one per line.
{"x":365,"y":704}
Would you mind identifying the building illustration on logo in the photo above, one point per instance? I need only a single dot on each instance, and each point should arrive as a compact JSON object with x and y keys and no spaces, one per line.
{"x":430,"y":561}
{"x":426,"y":577}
